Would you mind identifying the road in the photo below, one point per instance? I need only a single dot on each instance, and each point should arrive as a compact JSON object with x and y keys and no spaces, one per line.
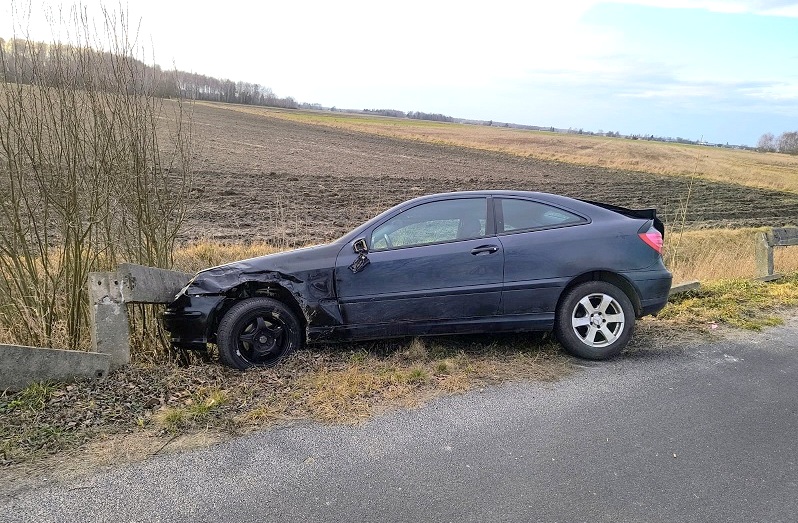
{"x":706,"y":433}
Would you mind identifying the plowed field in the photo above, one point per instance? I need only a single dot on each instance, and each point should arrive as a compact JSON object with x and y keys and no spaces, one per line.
{"x":266,"y":179}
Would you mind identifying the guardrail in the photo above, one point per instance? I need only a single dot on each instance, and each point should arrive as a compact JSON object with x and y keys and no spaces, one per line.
{"x":765,"y":243}
{"x":108,"y":294}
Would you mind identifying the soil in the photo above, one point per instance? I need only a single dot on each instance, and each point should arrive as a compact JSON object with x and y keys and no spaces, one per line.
{"x":264,"y":179}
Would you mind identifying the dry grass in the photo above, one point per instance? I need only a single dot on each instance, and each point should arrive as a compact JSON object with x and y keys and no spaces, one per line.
{"x":201,"y":255}
{"x":754,"y":169}
{"x":716,"y":254}
{"x":333,"y":384}
{"x":708,"y":254}
{"x":348,"y":383}
{"x":741,"y":303}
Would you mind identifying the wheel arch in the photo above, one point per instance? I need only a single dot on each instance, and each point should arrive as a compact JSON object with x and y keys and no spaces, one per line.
{"x":254,"y":289}
{"x":610,"y":277}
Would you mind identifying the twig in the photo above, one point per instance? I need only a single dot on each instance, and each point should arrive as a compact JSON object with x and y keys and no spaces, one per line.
{"x":165,"y":444}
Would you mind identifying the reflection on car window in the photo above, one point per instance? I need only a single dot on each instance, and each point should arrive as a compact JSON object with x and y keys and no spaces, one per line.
{"x":433,"y":222}
{"x":524,"y":214}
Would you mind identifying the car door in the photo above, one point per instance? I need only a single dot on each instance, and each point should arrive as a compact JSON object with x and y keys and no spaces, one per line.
{"x":438,"y":260}
{"x":544,"y":246}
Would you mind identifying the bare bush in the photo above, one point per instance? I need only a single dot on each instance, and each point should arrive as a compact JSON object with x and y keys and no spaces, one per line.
{"x":788,"y":142}
{"x":94,"y":170}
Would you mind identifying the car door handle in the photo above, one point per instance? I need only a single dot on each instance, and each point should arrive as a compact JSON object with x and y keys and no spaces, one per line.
{"x":484,"y":249}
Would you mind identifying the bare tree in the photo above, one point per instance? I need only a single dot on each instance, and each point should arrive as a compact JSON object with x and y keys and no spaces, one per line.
{"x":89,"y":176}
{"x":788,"y":142}
{"x":766,"y":143}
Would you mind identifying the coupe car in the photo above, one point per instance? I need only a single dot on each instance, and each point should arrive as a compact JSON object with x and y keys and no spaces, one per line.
{"x":453,"y":263}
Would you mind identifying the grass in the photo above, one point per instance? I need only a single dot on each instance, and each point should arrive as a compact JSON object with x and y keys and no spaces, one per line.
{"x":201,"y":255}
{"x":707,"y":254}
{"x":332,"y":384}
{"x":740,"y":303}
{"x":195,"y":410}
{"x":748,"y":168}
{"x":351,"y":382}
{"x":715,"y":254}
{"x":32,"y":399}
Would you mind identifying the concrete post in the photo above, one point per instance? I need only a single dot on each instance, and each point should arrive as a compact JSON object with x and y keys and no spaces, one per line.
{"x":140,"y":284}
{"x":763,"y":251}
{"x":110,"y":333}
{"x":108,"y":294}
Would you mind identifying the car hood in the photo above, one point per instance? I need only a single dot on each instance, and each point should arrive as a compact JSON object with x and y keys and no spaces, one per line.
{"x":296,"y":266}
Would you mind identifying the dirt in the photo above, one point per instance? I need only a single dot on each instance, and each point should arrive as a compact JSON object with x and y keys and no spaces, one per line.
{"x":264,"y":179}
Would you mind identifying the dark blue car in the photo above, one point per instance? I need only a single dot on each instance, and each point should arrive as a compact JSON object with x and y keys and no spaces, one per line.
{"x":465,"y":262}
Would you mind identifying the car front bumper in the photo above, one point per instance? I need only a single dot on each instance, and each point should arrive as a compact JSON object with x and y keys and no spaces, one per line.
{"x":191,"y":320}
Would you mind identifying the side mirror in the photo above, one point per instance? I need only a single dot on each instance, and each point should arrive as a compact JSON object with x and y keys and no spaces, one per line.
{"x":360,"y":246}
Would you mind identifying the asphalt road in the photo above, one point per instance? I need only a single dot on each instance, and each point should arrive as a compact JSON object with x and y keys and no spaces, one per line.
{"x":706,"y":433}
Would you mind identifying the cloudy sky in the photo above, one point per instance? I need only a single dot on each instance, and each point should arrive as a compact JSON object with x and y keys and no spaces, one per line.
{"x":721,"y":70}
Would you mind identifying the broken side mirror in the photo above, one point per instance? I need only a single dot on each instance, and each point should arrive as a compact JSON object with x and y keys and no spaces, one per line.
{"x":360,"y":246}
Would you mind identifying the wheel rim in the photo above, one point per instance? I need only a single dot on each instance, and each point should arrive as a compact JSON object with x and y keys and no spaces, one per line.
{"x":598,"y":320}
{"x":262,"y":340}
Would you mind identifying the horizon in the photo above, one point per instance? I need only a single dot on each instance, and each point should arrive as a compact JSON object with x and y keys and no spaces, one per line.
{"x":718,"y":71}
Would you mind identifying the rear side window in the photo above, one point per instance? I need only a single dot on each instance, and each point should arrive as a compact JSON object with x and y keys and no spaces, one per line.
{"x":522,"y":215}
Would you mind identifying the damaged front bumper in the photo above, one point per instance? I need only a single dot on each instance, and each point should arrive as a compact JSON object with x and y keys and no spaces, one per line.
{"x":191,"y":320}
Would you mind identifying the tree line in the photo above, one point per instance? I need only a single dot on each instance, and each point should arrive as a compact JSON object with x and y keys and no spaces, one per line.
{"x":40,"y":62}
{"x":787,"y":142}
{"x":416,"y":115}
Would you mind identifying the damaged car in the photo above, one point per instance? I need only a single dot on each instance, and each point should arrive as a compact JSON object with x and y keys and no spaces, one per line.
{"x":454,"y":263}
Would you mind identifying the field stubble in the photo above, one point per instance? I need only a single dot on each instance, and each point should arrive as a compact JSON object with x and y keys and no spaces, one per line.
{"x":750,"y":168}
{"x":262,"y":178}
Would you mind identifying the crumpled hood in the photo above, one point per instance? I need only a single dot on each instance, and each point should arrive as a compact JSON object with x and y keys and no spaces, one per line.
{"x":289,"y":266}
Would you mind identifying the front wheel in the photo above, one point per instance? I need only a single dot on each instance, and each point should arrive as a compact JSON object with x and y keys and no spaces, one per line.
{"x":595,"y":320}
{"x":257,"y":332}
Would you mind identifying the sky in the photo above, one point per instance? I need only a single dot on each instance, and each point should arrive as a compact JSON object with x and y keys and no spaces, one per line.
{"x":722,"y":71}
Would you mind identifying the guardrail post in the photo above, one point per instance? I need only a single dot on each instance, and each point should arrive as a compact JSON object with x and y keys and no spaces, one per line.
{"x":110,"y":333}
{"x":109,"y":292}
{"x":763,"y":251}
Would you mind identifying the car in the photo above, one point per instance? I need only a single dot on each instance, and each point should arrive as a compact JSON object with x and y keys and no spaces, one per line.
{"x":452,"y":263}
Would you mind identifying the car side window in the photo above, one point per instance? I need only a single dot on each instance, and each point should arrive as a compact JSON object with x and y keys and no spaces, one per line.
{"x":520,"y":215}
{"x":433,"y":222}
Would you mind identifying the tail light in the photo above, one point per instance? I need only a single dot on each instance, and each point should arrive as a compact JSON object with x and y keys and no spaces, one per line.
{"x":653,"y":239}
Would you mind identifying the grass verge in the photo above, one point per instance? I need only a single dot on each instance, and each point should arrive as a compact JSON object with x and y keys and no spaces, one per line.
{"x":336,"y":384}
{"x":741,"y":303}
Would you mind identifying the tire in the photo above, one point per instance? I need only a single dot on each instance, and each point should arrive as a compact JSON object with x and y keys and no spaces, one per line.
{"x":257,"y":332}
{"x":594,"y":320}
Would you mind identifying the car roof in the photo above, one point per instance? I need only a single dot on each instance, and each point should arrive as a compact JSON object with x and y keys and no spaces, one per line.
{"x":536,"y":195}
{"x":565,"y":202}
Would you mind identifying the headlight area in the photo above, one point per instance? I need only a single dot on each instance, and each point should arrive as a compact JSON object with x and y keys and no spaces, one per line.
{"x":190,"y":319}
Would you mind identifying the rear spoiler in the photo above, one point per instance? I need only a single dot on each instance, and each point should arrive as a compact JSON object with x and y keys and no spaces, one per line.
{"x":644,"y":214}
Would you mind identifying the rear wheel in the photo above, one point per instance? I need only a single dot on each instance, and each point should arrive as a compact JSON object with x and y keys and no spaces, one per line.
{"x":595,"y":320}
{"x":257,"y":332}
